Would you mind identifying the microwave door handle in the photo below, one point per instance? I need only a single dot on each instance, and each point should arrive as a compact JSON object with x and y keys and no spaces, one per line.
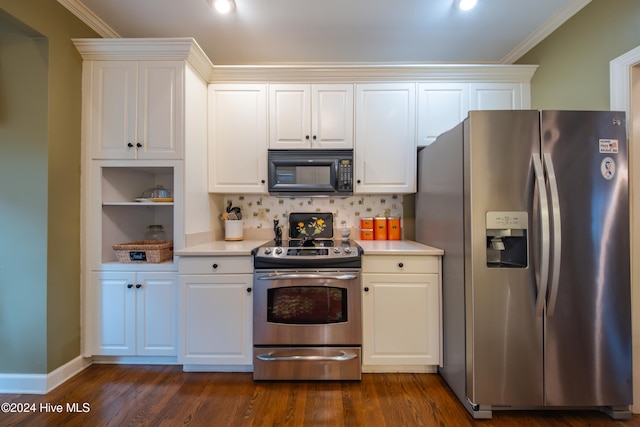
{"x":544,"y":234}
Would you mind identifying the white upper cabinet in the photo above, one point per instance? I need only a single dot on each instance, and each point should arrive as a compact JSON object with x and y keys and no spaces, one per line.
{"x":238,"y":138}
{"x":136,"y":109}
{"x":385,"y":146}
{"x":311,"y":116}
{"x":441,"y":106}
{"x":498,"y":96}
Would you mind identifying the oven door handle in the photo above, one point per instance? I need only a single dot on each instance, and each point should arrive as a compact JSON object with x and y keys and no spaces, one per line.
{"x":269,"y":357}
{"x":289,"y":276}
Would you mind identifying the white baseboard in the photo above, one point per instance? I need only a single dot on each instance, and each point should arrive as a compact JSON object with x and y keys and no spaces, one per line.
{"x":41,"y":383}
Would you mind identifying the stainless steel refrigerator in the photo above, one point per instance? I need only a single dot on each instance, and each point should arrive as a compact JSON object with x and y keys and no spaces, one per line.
{"x":531,"y":209}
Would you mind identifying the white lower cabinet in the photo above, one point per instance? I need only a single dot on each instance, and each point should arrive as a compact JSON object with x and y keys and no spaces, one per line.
{"x":216,"y":311}
{"x":136,"y":314}
{"x":401,"y":312}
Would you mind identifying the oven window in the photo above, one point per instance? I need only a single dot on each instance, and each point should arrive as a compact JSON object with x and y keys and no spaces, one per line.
{"x":307,"y":305}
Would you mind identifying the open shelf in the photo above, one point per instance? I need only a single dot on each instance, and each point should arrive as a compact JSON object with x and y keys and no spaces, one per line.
{"x":122,"y":218}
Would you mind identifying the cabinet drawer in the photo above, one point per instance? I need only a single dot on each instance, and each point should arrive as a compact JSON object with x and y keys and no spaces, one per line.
{"x":400,"y":264}
{"x":215,"y":264}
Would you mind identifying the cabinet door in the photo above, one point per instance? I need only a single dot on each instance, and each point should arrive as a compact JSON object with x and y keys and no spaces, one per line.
{"x":289,"y":116}
{"x":156,"y":314}
{"x":332,"y":116}
{"x":237,"y":138}
{"x":401,"y":319}
{"x":115,"y":314}
{"x":495,"y":96}
{"x":216,"y":319}
{"x":111,"y":103}
{"x":441,"y":106}
{"x":385,"y":146}
{"x":160,"y":110}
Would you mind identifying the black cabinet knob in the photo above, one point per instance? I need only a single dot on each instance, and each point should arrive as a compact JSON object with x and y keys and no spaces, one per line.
{"x":400,"y":265}
{"x":138,"y":145}
{"x":138,"y":286}
{"x":214,"y":266}
{"x":306,"y":137}
{"x":263,"y":181}
{"x":130,"y":145}
{"x":358,"y":181}
{"x":130,"y":285}
{"x":366,"y":289}
{"x":314,"y":137}
{"x":249,"y":290}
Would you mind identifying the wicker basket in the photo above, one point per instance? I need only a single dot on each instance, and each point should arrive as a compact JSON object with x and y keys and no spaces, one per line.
{"x":144,"y":251}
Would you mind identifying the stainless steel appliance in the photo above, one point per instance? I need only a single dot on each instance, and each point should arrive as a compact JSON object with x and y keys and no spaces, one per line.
{"x":307,"y":322}
{"x":531,"y":208}
{"x":310,"y":172}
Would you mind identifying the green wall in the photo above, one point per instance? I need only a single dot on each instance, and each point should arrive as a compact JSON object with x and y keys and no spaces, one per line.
{"x":40,"y":118}
{"x":574,"y":60}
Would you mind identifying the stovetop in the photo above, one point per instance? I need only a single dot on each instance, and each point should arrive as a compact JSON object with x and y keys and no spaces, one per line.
{"x":310,"y":244}
{"x":308,"y":253}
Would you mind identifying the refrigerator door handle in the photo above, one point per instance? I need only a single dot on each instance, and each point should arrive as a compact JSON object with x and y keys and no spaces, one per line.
{"x":557,"y":239}
{"x":544,"y":234}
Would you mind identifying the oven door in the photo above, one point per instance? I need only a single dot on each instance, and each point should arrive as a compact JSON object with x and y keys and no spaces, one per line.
{"x":307,"y":308}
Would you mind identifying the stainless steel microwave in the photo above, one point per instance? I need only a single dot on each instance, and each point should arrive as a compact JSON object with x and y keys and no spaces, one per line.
{"x":310,"y":172}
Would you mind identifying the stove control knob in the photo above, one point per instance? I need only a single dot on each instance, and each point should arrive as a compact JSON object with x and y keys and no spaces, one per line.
{"x":336,"y":250}
{"x":278,"y":251}
{"x":347,"y":250}
{"x":267,"y":251}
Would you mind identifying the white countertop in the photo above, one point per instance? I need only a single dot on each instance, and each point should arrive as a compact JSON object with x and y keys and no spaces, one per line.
{"x":397,"y":247}
{"x":221,"y":247}
{"x":370,"y":247}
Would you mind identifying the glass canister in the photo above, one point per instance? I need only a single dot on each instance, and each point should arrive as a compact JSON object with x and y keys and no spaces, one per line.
{"x":155,"y":232}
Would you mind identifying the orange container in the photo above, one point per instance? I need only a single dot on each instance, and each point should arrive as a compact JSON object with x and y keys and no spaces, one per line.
{"x":366,"y":223}
{"x":394,"y":231}
{"x":366,"y":234}
{"x":380,"y":230}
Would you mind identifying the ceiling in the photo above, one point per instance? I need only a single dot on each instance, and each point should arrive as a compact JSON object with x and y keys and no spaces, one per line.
{"x":329,"y":31}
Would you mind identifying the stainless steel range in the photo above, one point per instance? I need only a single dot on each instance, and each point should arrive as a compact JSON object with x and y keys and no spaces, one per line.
{"x":307,"y":321}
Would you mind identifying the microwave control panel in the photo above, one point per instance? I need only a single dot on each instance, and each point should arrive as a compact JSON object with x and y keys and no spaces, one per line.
{"x":345,"y":175}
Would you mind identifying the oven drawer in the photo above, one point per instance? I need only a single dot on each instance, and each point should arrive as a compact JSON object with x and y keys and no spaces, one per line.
{"x":307,"y":363}
{"x":215,"y":264}
{"x":414,"y":264}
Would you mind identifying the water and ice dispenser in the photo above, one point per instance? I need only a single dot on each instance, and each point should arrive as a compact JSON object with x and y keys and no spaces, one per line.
{"x":507,"y":239}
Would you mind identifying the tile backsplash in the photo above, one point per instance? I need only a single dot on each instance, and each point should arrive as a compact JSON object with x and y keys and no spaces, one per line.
{"x":260,"y":211}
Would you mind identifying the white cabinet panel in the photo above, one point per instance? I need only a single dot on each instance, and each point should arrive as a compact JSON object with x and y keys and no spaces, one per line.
{"x":216,"y":319}
{"x":495,"y":96}
{"x":135,"y":109}
{"x":385,"y":146}
{"x":238,"y":138}
{"x":310,"y":116}
{"x":136,"y":314}
{"x":401,"y":312}
{"x":332,"y":116}
{"x":441,"y":106}
{"x":156,"y":314}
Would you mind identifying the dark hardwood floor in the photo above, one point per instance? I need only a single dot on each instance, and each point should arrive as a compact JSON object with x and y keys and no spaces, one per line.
{"x":125,"y":395}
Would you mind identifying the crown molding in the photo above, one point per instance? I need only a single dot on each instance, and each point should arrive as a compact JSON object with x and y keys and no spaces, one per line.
{"x":547,"y":28}
{"x":349,"y":73}
{"x":151,"y":49}
{"x":83,"y":13}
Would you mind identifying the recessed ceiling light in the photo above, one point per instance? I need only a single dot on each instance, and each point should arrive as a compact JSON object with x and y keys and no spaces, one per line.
{"x":466,"y":4}
{"x":223,"y":6}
